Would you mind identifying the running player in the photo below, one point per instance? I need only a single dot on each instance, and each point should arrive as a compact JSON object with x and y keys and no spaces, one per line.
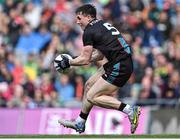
{"x":100,"y":40}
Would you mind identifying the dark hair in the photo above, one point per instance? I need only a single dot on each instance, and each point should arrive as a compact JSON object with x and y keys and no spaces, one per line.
{"x":87,"y":9}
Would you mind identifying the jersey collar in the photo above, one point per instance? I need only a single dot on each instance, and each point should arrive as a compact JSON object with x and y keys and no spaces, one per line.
{"x":90,"y":23}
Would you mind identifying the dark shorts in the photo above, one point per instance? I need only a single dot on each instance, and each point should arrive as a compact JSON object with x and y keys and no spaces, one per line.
{"x":119,"y":73}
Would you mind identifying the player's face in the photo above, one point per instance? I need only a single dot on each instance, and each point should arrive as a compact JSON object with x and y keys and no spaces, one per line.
{"x":82,"y":20}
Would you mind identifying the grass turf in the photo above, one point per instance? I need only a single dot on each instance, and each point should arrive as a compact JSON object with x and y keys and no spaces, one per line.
{"x":170,"y":136}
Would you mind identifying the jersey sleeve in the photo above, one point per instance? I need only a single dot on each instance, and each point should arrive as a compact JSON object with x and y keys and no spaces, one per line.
{"x":87,"y":38}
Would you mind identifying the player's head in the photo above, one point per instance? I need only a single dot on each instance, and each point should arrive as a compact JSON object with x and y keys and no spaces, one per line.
{"x":85,"y":14}
{"x":87,"y":9}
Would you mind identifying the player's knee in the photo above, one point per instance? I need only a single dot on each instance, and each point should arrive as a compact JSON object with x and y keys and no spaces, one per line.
{"x":90,"y":98}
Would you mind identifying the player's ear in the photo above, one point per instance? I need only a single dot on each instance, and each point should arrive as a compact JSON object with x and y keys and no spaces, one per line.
{"x":89,"y":17}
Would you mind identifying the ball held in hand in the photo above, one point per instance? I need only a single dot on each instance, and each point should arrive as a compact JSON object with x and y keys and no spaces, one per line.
{"x":60,"y":62}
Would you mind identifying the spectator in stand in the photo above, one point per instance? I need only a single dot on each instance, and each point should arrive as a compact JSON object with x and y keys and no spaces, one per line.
{"x":140,"y":68}
{"x":114,"y":7}
{"x":31,"y":67}
{"x":146,"y":91}
{"x":79,"y":87}
{"x":65,"y":89}
{"x":31,"y":41}
{"x":151,"y":36}
{"x":38,"y":101}
{"x":18,"y":72}
{"x":153,"y":13}
{"x":17,"y":99}
{"x":164,"y":25}
{"x":135,"y":5}
{"x":173,"y":88}
{"x":46,"y":85}
{"x":32,"y":14}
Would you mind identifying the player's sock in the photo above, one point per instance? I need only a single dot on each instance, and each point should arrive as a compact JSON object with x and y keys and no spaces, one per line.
{"x":82,"y":117}
{"x":125,"y":108}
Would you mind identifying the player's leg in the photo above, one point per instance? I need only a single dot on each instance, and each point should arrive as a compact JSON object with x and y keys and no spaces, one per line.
{"x":99,"y":96}
{"x":86,"y":105}
{"x":79,"y":123}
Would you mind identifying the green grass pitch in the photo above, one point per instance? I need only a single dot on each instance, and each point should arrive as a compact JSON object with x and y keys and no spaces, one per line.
{"x":173,"y":136}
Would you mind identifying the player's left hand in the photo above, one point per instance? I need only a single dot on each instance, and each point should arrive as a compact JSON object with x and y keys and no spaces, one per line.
{"x":64,"y":63}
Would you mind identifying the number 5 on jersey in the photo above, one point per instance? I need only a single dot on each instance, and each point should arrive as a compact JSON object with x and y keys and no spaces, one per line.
{"x":113,"y":30}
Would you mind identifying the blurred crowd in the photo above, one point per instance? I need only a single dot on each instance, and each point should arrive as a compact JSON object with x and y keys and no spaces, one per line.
{"x":33,"y":32}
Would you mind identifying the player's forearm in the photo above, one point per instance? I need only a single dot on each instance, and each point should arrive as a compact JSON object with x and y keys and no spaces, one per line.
{"x":84,"y":58}
{"x":79,"y":61}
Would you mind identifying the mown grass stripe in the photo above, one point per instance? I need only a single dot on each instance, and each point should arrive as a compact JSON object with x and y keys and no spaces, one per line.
{"x":91,"y":138}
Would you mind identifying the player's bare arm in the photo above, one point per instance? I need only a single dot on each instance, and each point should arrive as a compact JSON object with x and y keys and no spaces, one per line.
{"x":84,"y":58}
{"x":96,"y":55}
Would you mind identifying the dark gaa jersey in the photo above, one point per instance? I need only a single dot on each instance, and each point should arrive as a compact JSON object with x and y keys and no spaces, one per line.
{"x":107,"y":39}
